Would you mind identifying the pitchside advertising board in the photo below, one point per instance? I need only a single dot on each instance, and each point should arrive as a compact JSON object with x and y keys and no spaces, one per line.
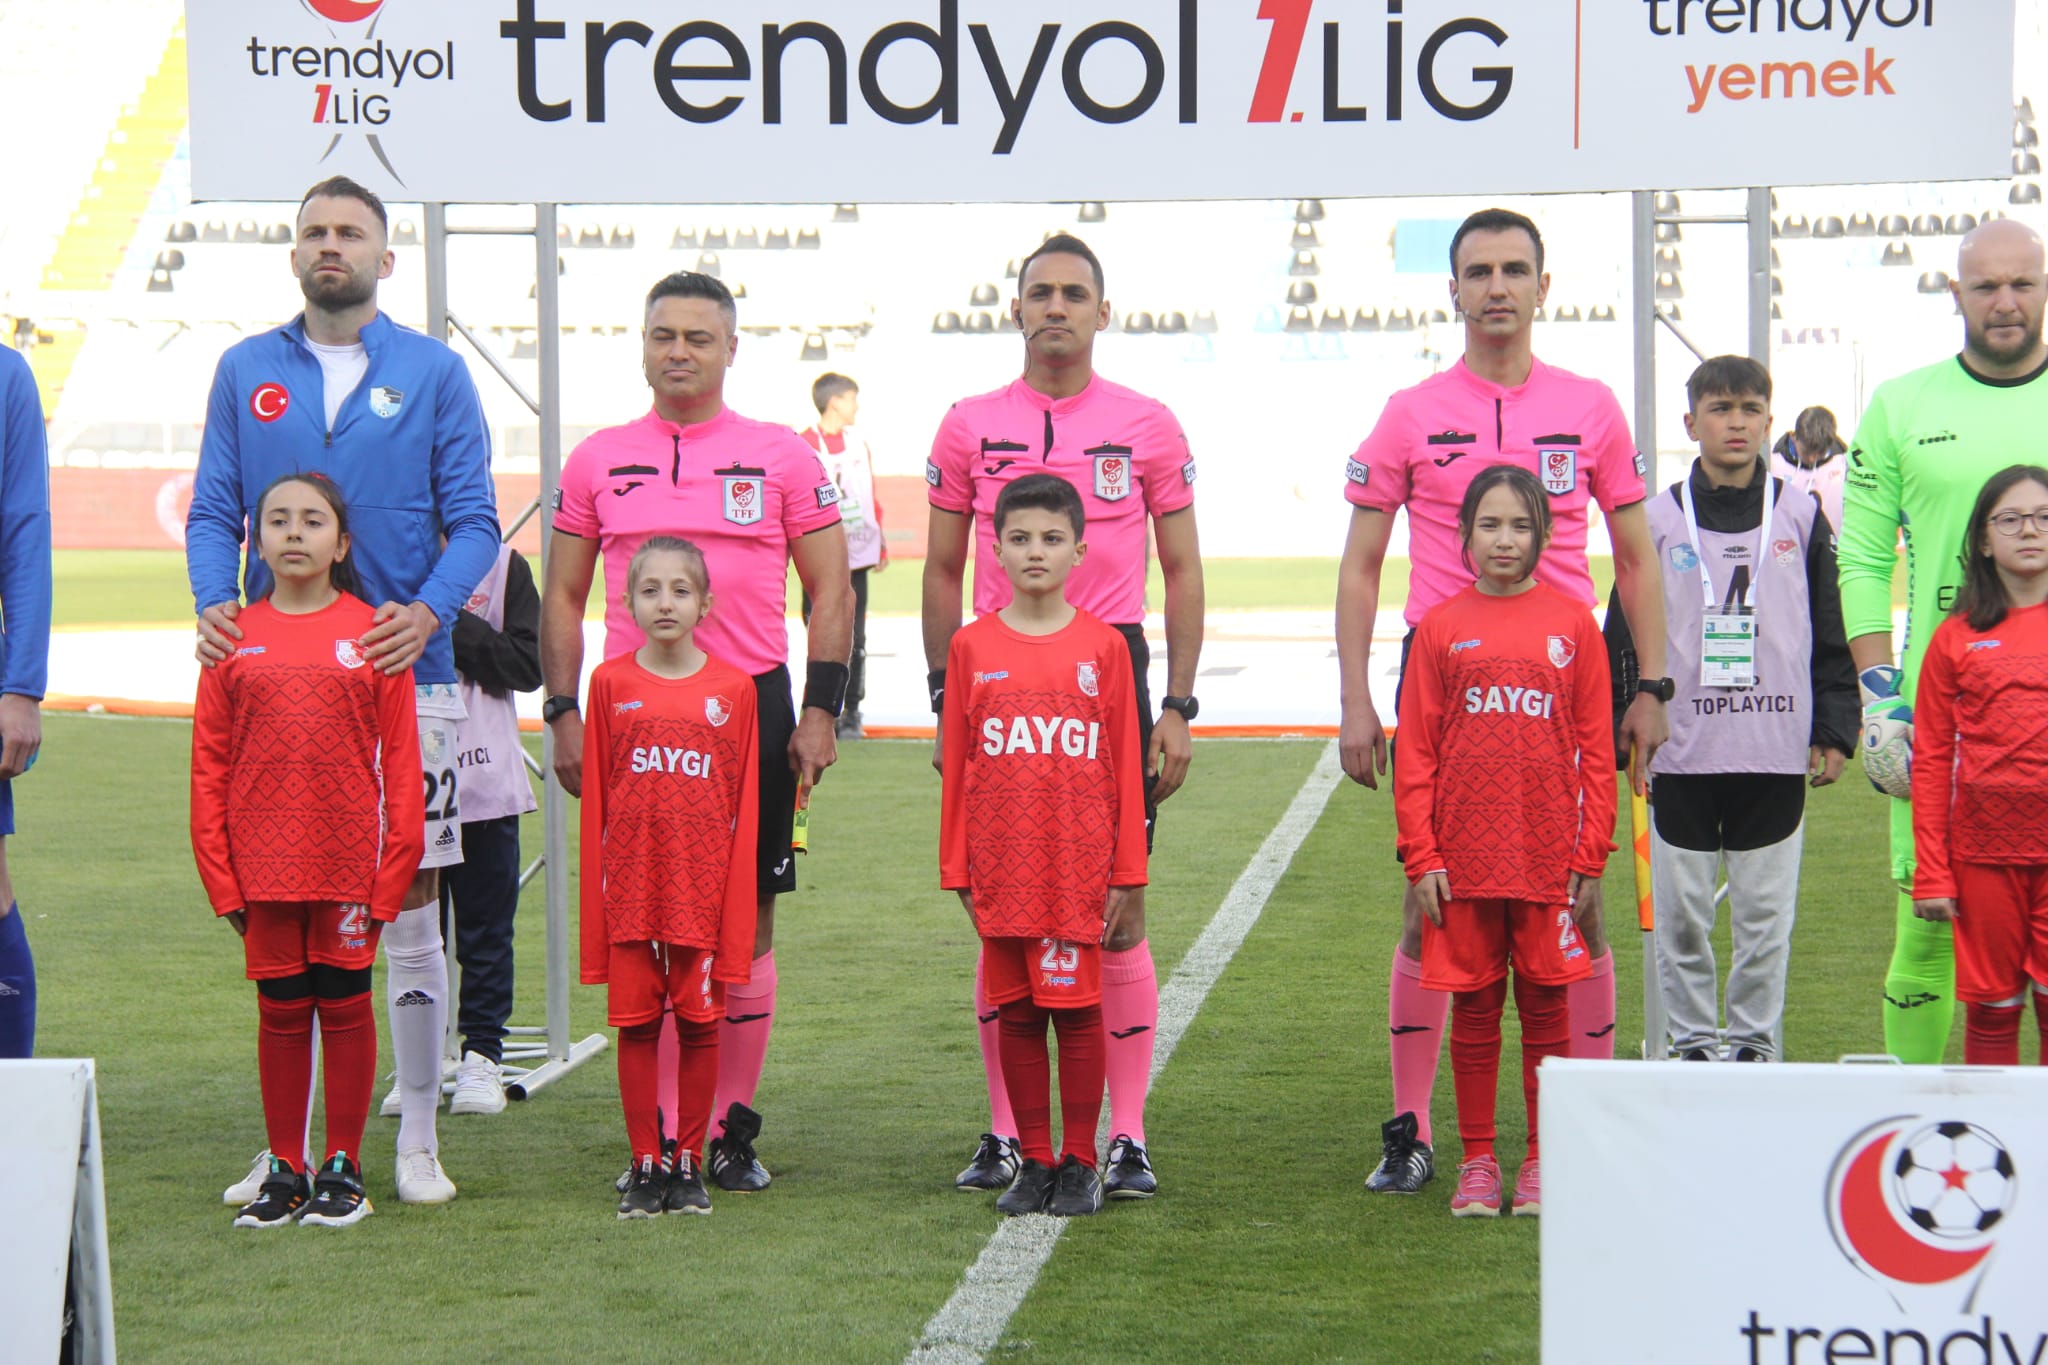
{"x":1794,"y":1215}
{"x":735,"y":101}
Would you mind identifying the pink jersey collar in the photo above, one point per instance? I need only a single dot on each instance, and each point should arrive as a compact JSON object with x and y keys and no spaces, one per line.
{"x":1486,"y":388}
{"x":695,"y":431}
{"x":1022,"y":392}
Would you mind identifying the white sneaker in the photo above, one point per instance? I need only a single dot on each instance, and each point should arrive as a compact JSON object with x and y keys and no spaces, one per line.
{"x":246,"y":1189}
{"x":478,"y":1087}
{"x":421,"y":1179}
{"x":389,"y":1109}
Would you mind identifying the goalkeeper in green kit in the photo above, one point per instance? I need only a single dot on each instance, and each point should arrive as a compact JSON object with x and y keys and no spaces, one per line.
{"x":1927,"y":443}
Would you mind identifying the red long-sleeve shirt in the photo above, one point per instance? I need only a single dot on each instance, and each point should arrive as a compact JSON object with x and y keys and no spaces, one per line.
{"x":1044,"y":792}
{"x":1505,"y":776}
{"x":306,"y":778}
{"x":671,"y":791}
{"x":1980,"y":749}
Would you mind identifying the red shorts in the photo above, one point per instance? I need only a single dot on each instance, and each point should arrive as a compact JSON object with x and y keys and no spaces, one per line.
{"x":1479,"y":940}
{"x":645,"y":976}
{"x":285,"y":937}
{"x":2001,"y":932}
{"x":1053,"y":973}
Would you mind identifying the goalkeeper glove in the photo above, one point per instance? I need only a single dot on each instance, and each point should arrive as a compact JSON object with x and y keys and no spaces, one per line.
{"x":1887,"y":732}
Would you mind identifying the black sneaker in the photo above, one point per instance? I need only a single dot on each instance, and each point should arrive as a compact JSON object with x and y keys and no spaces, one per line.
{"x":1697,"y":1054}
{"x":994,"y":1165}
{"x":338,"y":1197}
{"x":730,"y":1158}
{"x":1750,"y":1054}
{"x":1130,"y":1170}
{"x":645,"y":1192}
{"x":686,"y":1192}
{"x":1406,"y":1164}
{"x":1076,"y":1189}
{"x":279,"y":1202}
{"x":1030,"y":1192}
{"x":668,"y":1161}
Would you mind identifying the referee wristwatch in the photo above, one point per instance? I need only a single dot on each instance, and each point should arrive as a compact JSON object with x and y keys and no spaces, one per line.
{"x":1188,"y":707}
{"x":554,"y":708}
{"x":1663,"y":689}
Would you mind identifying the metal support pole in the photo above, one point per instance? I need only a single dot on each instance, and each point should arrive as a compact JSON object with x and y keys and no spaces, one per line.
{"x":436,"y":243}
{"x":1643,"y":316}
{"x":1760,"y":274}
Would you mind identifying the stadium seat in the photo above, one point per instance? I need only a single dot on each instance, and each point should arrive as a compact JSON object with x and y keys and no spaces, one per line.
{"x":1308,"y":211}
{"x":1934,"y":282}
{"x":2025,"y":162}
{"x":846,"y":213}
{"x":1300,"y":320}
{"x":1542,"y":313}
{"x":1010,"y":270}
{"x":1668,"y":259}
{"x":1400,"y":320}
{"x":2024,"y":110}
{"x":1139,"y":324}
{"x":407,"y":233}
{"x":717,"y":239}
{"x":1094,"y":211}
{"x":173,"y":260}
{"x":1777,"y":285}
{"x":1305,"y":236}
{"x":1960,"y":223}
{"x":777,"y":239}
{"x":984,"y":296}
{"x":1894,"y":225}
{"x":814,"y":347}
{"x":1669,"y":232}
{"x":1777,"y":313}
{"x":1568,"y":313}
{"x":1897,"y":253}
{"x":1366,"y":320}
{"x":526,"y":346}
{"x":1668,"y":287}
{"x":247,"y":233}
{"x":946,"y":323}
{"x":1793,"y":225}
{"x":2023,"y":135}
{"x":2025,"y":192}
{"x":1666,"y":203}
{"x":182,"y":231}
{"x":1602,"y":312}
{"x":1927,"y":225}
{"x":623,"y":237}
{"x":1268,"y":320}
{"x":1861,"y":225}
{"x":739,"y":291}
{"x":1775,"y":263}
{"x":708,"y":264}
{"x":1205,"y":322}
{"x":981,"y":323}
{"x":1677,"y":314}
{"x":1774,"y":201}
{"x":1173,"y":324}
{"x":747,"y":239}
{"x":1829,"y":226}
{"x":1304,"y":263}
{"x":589,"y":237}
{"x":1334,"y":319}
{"x":681,"y":238}
{"x":807,"y":239}
{"x":1301,"y":292}
{"x":216,"y":230}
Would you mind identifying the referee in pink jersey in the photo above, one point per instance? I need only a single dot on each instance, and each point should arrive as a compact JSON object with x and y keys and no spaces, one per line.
{"x":1130,"y":460}
{"x":1498,"y":405}
{"x":754,"y":498}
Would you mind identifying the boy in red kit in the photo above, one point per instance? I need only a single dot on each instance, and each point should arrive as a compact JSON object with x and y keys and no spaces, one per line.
{"x":1504,"y":797}
{"x":1042,"y":829}
{"x":1980,"y":783}
{"x":670,"y":805}
{"x":307,"y":812}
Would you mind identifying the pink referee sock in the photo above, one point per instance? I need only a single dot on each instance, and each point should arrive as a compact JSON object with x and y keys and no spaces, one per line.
{"x":743,"y":1037}
{"x":1591,"y":1004}
{"x":1130,"y":1021}
{"x":1415,"y":1024}
{"x":1001,"y":1121}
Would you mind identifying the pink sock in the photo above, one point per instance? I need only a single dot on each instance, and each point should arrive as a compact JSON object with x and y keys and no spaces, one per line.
{"x":1415,"y":1023}
{"x":1591,"y":1003}
{"x":743,"y":1037}
{"x":1001,"y":1121}
{"x":1130,"y":1021}
{"x":668,"y":1060}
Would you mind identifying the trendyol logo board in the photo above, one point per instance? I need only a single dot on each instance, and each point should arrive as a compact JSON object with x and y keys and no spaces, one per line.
{"x":356,"y":77}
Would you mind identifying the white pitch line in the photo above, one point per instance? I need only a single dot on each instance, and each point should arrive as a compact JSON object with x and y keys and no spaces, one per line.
{"x":972,"y":1322}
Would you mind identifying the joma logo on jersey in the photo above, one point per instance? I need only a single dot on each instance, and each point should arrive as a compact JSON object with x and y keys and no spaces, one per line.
{"x":655,"y":758}
{"x":1067,"y":735}
{"x":1526,"y":701}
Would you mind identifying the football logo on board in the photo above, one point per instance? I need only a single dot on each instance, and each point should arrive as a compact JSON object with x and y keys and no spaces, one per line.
{"x":1112,"y":477}
{"x":344,"y":11}
{"x":1561,"y":650}
{"x":717,"y":710}
{"x":1560,"y":470}
{"x":1916,"y":1205}
{"x":349,"y":653}
{"x":743,"y":499}
{"x":1086,"y":676}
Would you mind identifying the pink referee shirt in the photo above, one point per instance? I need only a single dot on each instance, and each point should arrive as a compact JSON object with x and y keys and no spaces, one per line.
{"x":1431,"y":439}
{"x":1124,"y":451}
{"x":740,"y":490}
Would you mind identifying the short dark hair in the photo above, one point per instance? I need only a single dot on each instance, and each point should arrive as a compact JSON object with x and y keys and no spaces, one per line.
{"x":829,"y":386}
{"x":1730,"y":376}
{"x":1496,"y":220}
{"x":341,"y":187}
{"x":1046,"y":493}
{"x":690,"y":284}
{"x":1063,"y":244}
{"x":1524,"y":486}
{"x":1982,"y":599}
{"x":343,"y":575}
{"x":1815,"y":431}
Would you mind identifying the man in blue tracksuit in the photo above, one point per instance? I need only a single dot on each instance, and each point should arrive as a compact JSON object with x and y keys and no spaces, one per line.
{"x":393,"y":418}
{"x":24,"y":662}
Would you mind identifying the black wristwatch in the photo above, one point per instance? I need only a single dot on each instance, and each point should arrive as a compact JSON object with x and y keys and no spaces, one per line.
{"x":1663,"y":689}
{"x":1188,"y":707}
{"x":554,"y":708}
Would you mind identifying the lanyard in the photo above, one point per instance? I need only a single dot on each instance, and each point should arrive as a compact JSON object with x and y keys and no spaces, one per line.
{"x":1763,"y":541}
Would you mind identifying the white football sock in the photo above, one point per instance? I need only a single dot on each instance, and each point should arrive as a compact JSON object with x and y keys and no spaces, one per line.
{"x":416,"y":992}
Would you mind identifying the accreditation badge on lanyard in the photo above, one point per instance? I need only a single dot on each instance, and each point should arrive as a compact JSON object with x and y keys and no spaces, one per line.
{"x":1728,"y":632}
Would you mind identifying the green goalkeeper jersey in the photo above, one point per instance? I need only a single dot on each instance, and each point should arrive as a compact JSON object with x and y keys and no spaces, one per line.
{"x":1926,"y":445}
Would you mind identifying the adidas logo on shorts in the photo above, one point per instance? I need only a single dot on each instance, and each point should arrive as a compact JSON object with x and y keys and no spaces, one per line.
{"x":413,"y":998}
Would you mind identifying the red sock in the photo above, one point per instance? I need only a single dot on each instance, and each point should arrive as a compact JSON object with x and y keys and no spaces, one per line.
{"x":348,"y":1028}
{"x":1000,"y":1121}
{"x":1475,"y":1063}
{"x":1082,"y":1065}
{"x":284,"y":1071}
{"x":639,"y":1059}
{"x":1415,"y":1019}
{"x":1991,"y":1034}
{"x":1591,"y":1003}
{"x":743,"y":1041}
{"x":2041,"y":1022}
{"x":696,"y":1079}
{"x":1130,"y":1021}
{"x":1546,"y":1032}
{"x":1027,"y":1075}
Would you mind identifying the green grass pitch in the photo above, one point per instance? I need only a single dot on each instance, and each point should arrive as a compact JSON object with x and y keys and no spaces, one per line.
{"x":1262,"y":1245}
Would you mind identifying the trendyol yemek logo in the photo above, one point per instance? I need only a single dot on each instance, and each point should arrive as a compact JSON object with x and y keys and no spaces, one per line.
{"x":1915,"y":1204}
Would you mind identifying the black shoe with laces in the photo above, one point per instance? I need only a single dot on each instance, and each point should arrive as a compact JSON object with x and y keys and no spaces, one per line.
{"x":1130,"y":1170}
{"x":1030,"y":1192}
{"x":994,"y":1165}
{"x":1406,"y":1163}
{"x":686,"y":1192}
{"x":338,"y":1196}
{"x":645,"y":1192}
{"x":730,"y":1157}
{"x":279,"y":1202}
{"x":1076,"y":1189}
{"x":1750,"y":1054}
{"x":1697,"y":1054}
